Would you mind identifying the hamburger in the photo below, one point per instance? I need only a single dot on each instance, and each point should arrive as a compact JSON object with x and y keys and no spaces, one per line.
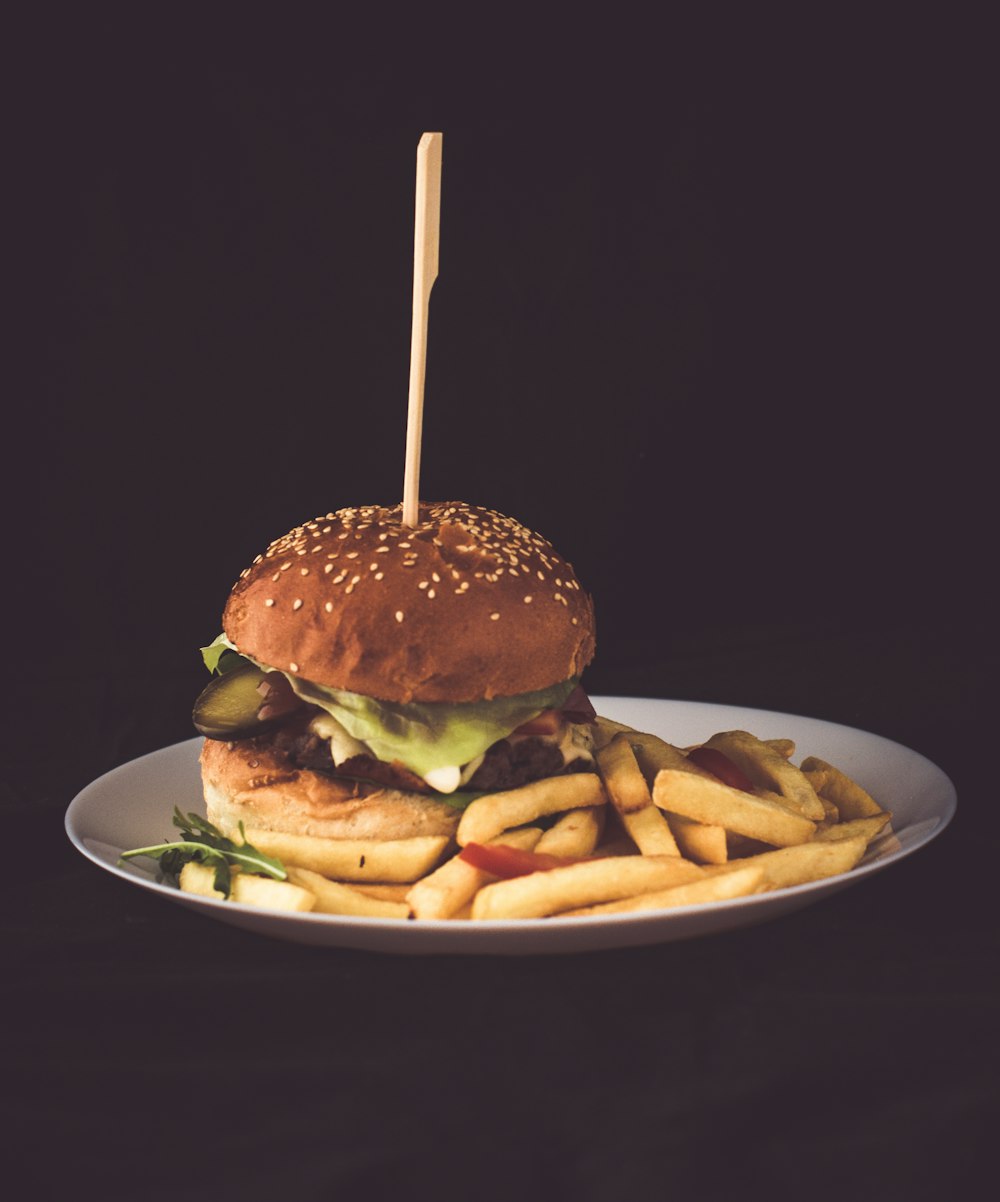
{"x":372,"y":678}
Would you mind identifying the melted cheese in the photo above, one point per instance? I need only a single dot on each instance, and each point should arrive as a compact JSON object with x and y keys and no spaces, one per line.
{"x":574,"y":742}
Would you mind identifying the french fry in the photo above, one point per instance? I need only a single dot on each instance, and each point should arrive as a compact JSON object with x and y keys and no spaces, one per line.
{"x":446,"y":891}
{"x":576,"y":833}
{"x":784,"y":747}
{"x":629,"y":793}
{"x":696,"y":841}
{"x":699,"y":841}
{"x":334,"y":897}
{"x":870,"y":828}
{"x":769,"y":770}
{"x":395,"y":892}
{"x":837,"y":787}
{"x":605,"y":729}
{"x":810,"y":861}
{"x":712,"y":802}
{"x":607,"y":879}
{"x":269,"y":894}
{"x":487,"y":817}
{"x":718,"y":886}
{"x":650,"y":832}
{"x":354,"y":859}
{"x":831,"y":815}
{"x":245,"y":887}
{"x":623,"y":781}
{"x":200,"y":879}
{"x":653,"y":753}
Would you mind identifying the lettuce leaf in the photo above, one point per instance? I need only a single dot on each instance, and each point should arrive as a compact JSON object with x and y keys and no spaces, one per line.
{"x":220,"y":656}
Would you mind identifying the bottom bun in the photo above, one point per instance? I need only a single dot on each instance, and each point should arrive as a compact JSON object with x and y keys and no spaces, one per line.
{"x":251,"y":782}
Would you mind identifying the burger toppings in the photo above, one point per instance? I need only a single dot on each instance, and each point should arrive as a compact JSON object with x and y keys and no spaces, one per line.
{"x":444,"y":744}
{"x":487,"y":745}
{"x":429,"y":736}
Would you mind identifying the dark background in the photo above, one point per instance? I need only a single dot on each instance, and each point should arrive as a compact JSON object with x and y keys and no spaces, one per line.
{"x":708,"y":318}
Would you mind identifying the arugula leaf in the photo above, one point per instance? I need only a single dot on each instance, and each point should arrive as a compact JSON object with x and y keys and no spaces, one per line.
{"x":206,"y":844}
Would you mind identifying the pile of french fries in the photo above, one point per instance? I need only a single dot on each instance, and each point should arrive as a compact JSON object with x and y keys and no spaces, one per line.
{"x":650,"y":830}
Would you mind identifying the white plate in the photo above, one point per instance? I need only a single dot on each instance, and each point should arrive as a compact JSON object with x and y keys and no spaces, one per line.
{"x":132,"y":806}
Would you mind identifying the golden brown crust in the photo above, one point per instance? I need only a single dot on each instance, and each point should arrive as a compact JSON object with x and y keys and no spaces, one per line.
{"x":248,"y":782}
{"x":467,"y":605}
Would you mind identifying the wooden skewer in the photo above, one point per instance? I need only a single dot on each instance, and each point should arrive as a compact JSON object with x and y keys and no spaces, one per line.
{"x":426,"y":239}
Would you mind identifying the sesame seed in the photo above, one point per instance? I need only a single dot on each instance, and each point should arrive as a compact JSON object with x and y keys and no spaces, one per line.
{"x":297,"y":603}
{"x":494,"y":617}
{"x":269,"y":602}
{"x":379,"y":575}
{"x":328,"y":607}
{"x":328,"y":567}
{"x":431,"y":593}
{"x":305,"y":571}
{"x":528,"y":599}
{"x":293,"y":667}
{"x":399,"y":615}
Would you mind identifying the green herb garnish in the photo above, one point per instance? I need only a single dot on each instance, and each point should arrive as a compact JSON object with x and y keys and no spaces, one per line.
{"x":206,"y":844}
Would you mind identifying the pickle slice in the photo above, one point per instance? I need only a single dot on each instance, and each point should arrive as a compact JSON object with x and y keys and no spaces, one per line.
{"x":228,"y":705}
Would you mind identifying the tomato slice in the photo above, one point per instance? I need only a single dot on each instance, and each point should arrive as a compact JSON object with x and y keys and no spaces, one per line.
{"x":577,"y":707}
{"x":504,"y":861}
{"x":721,"y":766}
{"x":548,"y":722}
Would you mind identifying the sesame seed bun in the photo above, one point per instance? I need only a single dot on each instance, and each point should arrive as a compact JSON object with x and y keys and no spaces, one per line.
{"x":465,"y":606}
{"x":252,"y":782}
